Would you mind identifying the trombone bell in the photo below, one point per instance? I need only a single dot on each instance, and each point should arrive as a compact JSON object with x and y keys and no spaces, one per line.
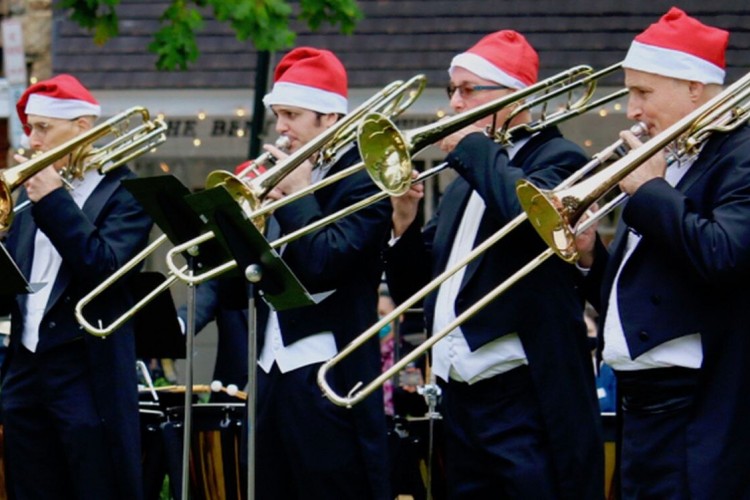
{"x":385,"y":154}
{"x":6,"y":206}
{"x":548,"y":216}
{"x":242,"y":194}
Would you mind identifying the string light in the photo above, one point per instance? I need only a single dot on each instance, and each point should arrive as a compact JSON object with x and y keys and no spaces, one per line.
{"x":164,"y":167}
{"x":603,"y":113}
{"x":197,"y":143}
{"x":440,"y":113}
{"x":241,"y":133}
{"x":240,"y":112}
{"x":201,"y":115}
{"x":618,"y":106}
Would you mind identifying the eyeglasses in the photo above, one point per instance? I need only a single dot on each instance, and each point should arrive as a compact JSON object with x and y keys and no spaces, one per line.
{"x":466,"y":91}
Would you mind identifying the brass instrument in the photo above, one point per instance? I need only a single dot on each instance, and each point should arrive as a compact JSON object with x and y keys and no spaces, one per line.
{"x":555,"y":213}
{"x":250,"y":194}
{"x":723,"y":113}
{"x":387,"y":152}
{"x":239,"y":186}
{"x":127,"y":144}
{"x":357,"y":393}
{"x":395,"y":179}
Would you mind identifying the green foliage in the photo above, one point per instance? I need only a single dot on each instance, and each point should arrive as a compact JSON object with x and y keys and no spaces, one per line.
{"x":264,"y":22}
{"x":98,"y":16}
{"x":343,"y":12}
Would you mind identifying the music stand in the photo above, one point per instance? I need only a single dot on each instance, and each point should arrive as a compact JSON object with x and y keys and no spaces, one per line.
{"x":163,"y":197}
{"x":255,"y":257}
{"x":263,"y":267}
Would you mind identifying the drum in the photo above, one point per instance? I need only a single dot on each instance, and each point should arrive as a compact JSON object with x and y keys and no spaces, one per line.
{"x":216,"y":471}
{"x":416,"y":459}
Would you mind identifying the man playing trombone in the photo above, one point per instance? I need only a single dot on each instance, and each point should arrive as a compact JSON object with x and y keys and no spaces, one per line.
{"x":307,"y":447}
{"x":672,"y":289}
{"x":521,"y":414}
{"x":69,"y":400}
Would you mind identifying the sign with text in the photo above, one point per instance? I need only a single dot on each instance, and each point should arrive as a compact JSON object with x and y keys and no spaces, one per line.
{"x":14,"y":55}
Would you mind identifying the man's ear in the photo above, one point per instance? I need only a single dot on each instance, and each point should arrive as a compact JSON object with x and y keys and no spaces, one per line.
{"x":695,"y":89}
{"x":329,"y":119}
{"x":85,"y":123}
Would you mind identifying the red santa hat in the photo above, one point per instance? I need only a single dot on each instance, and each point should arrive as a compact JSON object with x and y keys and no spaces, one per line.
{"x":679,"y":46}
{"x":504,"y":57}
{"x":62,"y":96}
{"x":312,"y":79}
{"x":252,"y":173}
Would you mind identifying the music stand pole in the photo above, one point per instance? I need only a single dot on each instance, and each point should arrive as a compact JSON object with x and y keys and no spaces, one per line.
{"x":188,"y":412}
{"x":431,"y":393}
{"x":252,"y":391}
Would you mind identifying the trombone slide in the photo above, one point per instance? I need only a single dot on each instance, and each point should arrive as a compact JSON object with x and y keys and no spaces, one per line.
{"x":361,"y":391}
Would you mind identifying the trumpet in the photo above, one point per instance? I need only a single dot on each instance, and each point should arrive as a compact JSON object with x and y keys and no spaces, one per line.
{"x":555,"y":214}
{"x":239,"y":185}
{"x":250,"y":194}
{"x":127,"y":143}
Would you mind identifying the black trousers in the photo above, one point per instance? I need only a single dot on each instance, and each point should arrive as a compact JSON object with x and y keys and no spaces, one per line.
{"x":55,"y":444}
{"x":496,"y":445}
{"x":307,"y":447}
{"x":656,"y":408}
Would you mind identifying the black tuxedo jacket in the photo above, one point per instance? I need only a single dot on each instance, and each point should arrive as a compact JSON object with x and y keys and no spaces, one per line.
{"x":544,"y":308}
{"x":688,"y":275}
{"x":344,"y":257}
{"x":94,"y":242}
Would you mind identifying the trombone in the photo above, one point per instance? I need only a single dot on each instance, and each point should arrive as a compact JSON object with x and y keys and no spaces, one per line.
{"x":128,"y":143}
{"x":554,"y":213}
{"x":250,"y":194}
{"x":396,"y":179}
{"x":545,"y":90}
{"x":358,"y":393}
{"x":387,"y":152}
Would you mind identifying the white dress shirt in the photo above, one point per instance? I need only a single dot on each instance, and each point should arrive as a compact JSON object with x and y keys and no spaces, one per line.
{"x":452,"y":357}
{"x":685,"y":351}
{"x":46,"y":264}
{"x":308,"y":350}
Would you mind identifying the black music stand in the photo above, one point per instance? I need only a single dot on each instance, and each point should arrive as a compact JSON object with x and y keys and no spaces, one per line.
{"x":255,"y":257}
{"x":261,"y":266}
{"x":163,"y":197}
